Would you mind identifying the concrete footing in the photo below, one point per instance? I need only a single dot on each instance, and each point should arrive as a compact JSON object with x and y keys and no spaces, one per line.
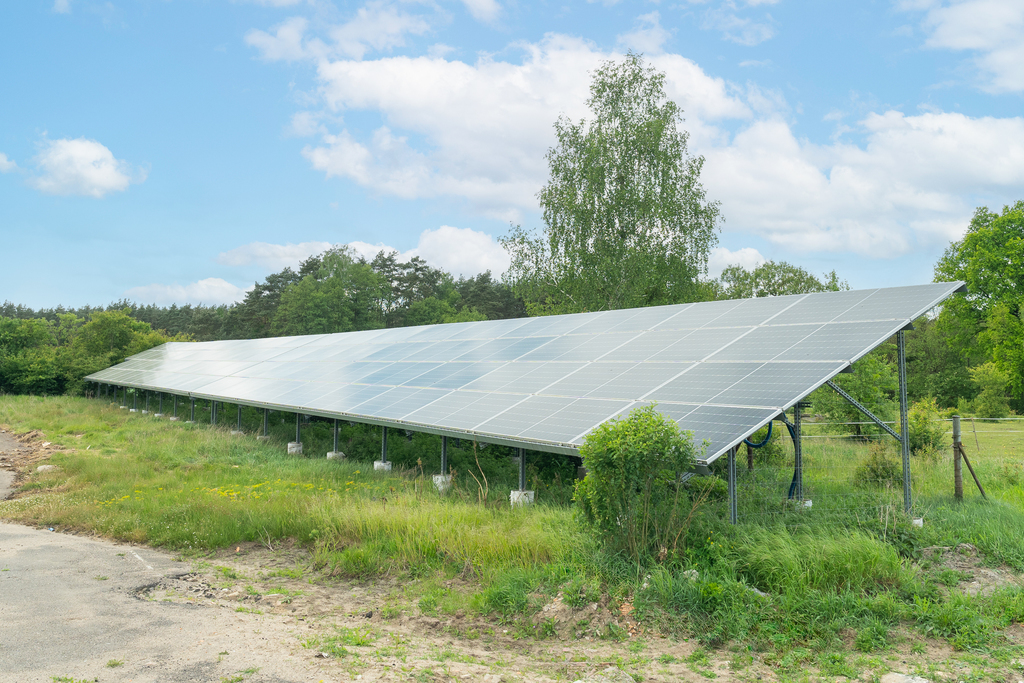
{"x":263,"y":437}
{"x":236,"y":432}
{"x":144,"y":412}
{"x":521,"y":498}
{"x":174,"y":419}
{"x":335,"y":455}
{"x":294,"y":448}
{"x":158,"y":414}
{"x":381,"y":466}
{"x":133,"y":410}
{"x":443,"y":482}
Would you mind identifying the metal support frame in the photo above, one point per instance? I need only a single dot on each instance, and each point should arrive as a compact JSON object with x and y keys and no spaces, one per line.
{"x":444,"y":455}
{"x":522,"y":469}
{"x":298,"y":428}
{"x":239,"y":427}
{"x":161,"y":408}
{"x":901,"y":359}
{"x":733,"y":509}
{"x":903,"y":436}
{"x":862,"y":408}
{"x":175,"y":413}
{"x":135,"y":399}
{"x":383,"y":444}
{"x":192,"y":411}
{"x":213,"y":412}
{"x":335,"y":449}
{"x":266,"y":418}
{"x":147,"y":400}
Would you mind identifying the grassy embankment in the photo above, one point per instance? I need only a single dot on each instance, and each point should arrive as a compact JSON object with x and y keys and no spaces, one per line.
{"x":852,"y":566}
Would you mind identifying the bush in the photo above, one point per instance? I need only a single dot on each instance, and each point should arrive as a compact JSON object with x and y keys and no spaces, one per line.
{"x":881,"y":467}
{"x":992,"y":382}
{"x":632,"y":494}
{"x":927,"y":433}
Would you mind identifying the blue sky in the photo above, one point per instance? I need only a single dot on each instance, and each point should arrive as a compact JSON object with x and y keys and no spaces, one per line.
{"x":177,"y":151}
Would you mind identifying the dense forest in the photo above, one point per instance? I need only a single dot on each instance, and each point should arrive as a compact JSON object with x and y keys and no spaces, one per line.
{"x":969,"y":357}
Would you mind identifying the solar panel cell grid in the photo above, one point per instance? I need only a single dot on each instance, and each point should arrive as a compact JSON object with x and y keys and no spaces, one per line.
{"x":719,"y":368}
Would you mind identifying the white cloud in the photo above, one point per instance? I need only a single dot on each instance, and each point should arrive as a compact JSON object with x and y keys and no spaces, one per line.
{"x":285,"y":44}
{"x":647,"y":37}
{"x":483,"y":10}
{"x":721,"y":258}
{"x":375,"y":26}
{"x":7,"y":165}
{"x":212,"y":291}
{"x":992,"y":29}
{"x":82,"y":167}
{"x":912,"y":184}
{"x":735,"y":27}
{"x":481,"y":129}
{"x":273,"y":256}
{"x":62,"y":6}
{"x":379,"y":26}
{"x":275,"y":3}
{"x":459,"y":251}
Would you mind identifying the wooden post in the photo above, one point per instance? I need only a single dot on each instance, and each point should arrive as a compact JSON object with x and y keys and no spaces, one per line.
{"x":958,"y":473}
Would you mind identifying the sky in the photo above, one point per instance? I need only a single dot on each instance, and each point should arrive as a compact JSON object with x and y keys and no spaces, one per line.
{"x":178,"y":151}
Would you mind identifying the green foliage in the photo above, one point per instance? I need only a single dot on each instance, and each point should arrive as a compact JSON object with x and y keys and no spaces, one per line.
{"x":992,"y":382}
{"x":927,"y":432}
{"x":874,"y":382}
{"x":775,"y":279}
{"x":882,"y":467}
{"x":985,"y":323}
{"x":935,"y":369}
{"x":632,"y":493}
{"x":627,"y":220}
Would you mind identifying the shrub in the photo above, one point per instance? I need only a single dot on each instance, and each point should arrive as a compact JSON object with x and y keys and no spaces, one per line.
{"x":881,"y":467}
{"x":927,"y":433}
{"x":632,"y":493}
{"x":992,"y":383}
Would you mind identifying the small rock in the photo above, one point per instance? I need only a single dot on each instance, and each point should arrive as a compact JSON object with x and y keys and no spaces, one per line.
{"x":322,"y":655}
{"x":46,"y":468}
{"x":894,"y":677}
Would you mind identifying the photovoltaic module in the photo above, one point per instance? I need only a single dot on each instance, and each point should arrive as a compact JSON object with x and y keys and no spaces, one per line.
{"x":721,"y":369}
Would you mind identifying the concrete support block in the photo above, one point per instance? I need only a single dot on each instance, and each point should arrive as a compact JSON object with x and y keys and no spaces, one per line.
{"x":145,"y":412}
{"x":158,"y":414}
{"x":236,"y":432}
{"x":443,"y":482}
{"x":381,"y":466}
{"x":174,"y":419}
{"x":521,"y":498}
{"x":261,"y":437}
{"x":294,"y":448}
{"x":133,"y":410}
{"x":335,"y":455}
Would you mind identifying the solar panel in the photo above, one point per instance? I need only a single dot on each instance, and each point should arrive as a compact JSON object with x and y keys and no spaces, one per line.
{"x":721,"y":369}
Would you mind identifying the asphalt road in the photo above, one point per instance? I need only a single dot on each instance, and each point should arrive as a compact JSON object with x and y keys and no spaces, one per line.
{"x":70,"y":609}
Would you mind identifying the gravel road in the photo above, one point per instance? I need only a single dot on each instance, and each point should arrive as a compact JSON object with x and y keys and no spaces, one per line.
{"x":70,"y":609}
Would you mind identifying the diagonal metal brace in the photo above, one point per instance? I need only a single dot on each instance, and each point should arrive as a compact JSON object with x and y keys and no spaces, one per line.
{"x":862,"y":408}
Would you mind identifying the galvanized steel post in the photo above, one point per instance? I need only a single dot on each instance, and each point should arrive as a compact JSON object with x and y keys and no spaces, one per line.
{"x":522,"y":469}
{"x":298,"y":429}
{"x":384,"y":444}
{"x":733,"y":513}
{"x":192,"y":410}
{"x":444,"y":455}
{"x":335,"y":449}
{"x":239,"y":427}
{"x":266,"y":415}
{"x":901,"y":359}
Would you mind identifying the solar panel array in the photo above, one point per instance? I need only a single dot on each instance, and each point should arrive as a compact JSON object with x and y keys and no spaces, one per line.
{"x":721,"y":369}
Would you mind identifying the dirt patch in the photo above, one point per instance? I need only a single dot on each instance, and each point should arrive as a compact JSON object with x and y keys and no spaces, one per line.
{"x":977,"y":579}
{"x":21,"y":454}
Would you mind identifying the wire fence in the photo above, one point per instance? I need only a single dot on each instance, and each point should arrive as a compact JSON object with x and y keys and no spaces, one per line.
{"x":859,"y":478}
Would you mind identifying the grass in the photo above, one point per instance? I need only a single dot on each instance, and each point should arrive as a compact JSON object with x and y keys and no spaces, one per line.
{"x":787,"y":583}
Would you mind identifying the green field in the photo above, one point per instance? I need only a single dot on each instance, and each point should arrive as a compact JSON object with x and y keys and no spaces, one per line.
{"x":848,"y":575}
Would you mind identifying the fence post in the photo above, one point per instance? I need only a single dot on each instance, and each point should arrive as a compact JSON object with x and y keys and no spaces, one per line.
{"x":958,"y":473}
